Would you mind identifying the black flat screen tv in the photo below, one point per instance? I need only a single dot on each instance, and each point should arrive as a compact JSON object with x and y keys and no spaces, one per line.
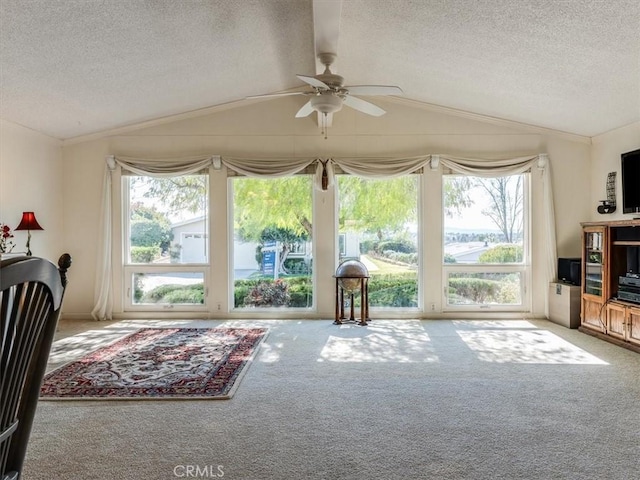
{"x":631,"y":181}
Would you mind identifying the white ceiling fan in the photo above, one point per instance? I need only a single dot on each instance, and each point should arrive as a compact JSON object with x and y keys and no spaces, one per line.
{"x":329,"y":93}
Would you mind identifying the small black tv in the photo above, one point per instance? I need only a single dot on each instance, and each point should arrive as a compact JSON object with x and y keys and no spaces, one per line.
{"x":569,"y":270}
{"x":630,"y":163}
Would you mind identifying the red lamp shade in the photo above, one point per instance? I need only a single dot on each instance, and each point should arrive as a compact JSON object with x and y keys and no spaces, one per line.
{"x":29,"y":222}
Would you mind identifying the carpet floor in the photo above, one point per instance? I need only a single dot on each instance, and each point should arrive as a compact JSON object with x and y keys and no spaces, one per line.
{"x":397,"y":399}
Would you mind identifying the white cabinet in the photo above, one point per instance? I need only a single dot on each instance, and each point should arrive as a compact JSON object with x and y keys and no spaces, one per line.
{"x":564,"y":304}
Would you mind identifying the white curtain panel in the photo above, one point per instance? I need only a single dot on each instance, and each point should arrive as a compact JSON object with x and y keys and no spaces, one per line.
{"x":282,"y":167}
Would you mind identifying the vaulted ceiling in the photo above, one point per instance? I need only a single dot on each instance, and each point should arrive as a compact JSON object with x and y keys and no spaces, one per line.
{"x":74,"y":67}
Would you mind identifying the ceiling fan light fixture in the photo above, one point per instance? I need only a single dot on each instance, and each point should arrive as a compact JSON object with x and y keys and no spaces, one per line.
{"x":326,"y":103}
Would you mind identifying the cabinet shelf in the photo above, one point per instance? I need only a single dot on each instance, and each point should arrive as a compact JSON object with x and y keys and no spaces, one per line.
{"x":609,"y":250}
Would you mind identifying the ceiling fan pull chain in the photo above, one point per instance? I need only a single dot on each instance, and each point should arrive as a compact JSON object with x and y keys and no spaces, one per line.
{"x":324,"y":125}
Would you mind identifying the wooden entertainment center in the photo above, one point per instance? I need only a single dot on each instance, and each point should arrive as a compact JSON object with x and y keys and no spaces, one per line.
{"x":611,"y":250}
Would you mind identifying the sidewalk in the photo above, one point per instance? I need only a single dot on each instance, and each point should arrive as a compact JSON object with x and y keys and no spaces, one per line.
{"x":368,"y":263}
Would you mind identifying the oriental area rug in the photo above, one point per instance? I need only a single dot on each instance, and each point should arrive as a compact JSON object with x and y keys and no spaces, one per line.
{"x":159,"y":363}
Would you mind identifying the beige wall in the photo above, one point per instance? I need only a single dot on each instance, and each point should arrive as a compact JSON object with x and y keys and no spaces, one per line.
{"x":31,"y":179}
{"x":83,"y":170}
{"x":605,"y":158}
{"x":268,"y":129}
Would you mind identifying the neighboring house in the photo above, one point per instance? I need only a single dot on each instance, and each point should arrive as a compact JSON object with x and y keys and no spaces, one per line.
{"x":349,"y":245}
{"x":467,"y":252}
{"x":190,"y":239}
{"x":244,"y":256}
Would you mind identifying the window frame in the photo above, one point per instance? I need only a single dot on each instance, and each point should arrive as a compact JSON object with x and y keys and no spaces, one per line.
{"x":233,"y":176}
{"x":420,"y":307}
{"x":129,"y":268}
{"x":524,"y":268}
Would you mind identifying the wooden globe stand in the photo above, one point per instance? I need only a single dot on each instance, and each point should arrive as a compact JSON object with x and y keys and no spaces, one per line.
{"x":364,"y":301}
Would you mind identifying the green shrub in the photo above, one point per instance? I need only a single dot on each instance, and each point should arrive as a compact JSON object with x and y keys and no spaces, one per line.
{"x":240,"y":292}
{"x":403,"y":246}
{"x":296,"y":266}
{"x":171,"y":294}
{"x":502,"y":254}
{"x":301,"y":294}
{"x":144,"y":254}
{"x":269,"y":294}
{"x":174,"y":252}
{"x":299,"y":287}
{"x":367,"y":246}
{"x":393,"y":290}
{"x":390,"y":290}
{"x":138,"y":287}
{"x":186,"y":294}
{"x":401,"y":257}
{"x":478,"y":290}
{"x":448,"y":258}
{"x":509,"y":293}
{"x":150,"y":233}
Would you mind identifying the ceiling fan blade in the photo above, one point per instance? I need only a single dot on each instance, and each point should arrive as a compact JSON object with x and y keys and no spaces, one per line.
{"x":305,"y":111}
{"x":285,"y":94}
{"x":374,"y":90}
{"x":363,"y":106}
{"x":314,"y":82}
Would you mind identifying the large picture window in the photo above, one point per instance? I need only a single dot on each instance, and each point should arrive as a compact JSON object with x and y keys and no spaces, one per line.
{"x":166,"y":247}
{"x":486,"y":255}
{"x":272,"y":242}
{"x":378,"y":225}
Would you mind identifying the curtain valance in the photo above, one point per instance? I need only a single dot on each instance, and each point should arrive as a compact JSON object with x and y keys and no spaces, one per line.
{"x":372,"y":167}
{"x":489,"y":168}
{"x":168,"y":167}
{"x":267,"y":167}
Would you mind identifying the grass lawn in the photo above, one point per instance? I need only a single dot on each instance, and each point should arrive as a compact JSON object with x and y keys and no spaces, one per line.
{"x":385,"y":267}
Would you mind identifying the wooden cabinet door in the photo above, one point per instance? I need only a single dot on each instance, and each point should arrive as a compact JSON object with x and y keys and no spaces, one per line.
{"x":616,"y":320}
{"x":633,"y":325}
{"x":593,"y":316}
{"x":595,"y":263}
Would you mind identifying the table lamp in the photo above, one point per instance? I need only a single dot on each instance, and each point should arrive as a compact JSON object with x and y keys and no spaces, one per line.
{"x":29,"y":223}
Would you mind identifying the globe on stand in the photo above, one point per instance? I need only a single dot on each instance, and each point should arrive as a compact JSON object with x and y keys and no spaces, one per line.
{"x":352,"y":276}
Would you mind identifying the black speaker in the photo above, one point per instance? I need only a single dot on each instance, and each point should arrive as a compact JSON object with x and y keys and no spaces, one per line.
{"x":576,"y":272}
{"x":633,"y":260}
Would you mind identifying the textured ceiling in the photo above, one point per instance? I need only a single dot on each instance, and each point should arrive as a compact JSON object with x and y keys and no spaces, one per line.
{"x":75,"y":67}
